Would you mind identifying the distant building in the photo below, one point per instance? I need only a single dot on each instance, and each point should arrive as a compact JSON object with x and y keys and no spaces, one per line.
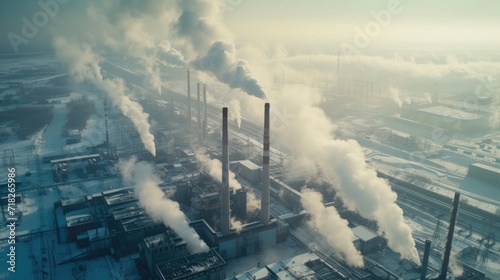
{"x":485,"y":173}
{"x":450,"y":118}
{"x":248,"y":170}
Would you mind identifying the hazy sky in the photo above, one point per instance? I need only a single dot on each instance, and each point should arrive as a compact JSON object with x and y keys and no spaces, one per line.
{"x":414,"y":22}
{"x":447,"y":23}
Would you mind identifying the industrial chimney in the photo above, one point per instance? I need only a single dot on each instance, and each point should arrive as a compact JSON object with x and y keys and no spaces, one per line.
{"x":264,"y":213}
{"x":425,"y":260}
{"x":198,"y":117}
{"x":205,"y":111}
{"x":449,"y":239}
{"x":189,"y":100}
{"x":224,"y":193}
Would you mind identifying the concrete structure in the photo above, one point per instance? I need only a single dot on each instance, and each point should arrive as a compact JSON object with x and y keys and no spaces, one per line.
{"x":248,"y":170}
{"x":265,"y":211}
{"x":239,"y":205}
{"x":224,"y":194}
{"x":254,"y":237}
{"x":99,"y":240}
{"x":366,"y":240}
{"x":201,"y":266}
{"x":163,"y":247}
{"x":485,"y":173}
{"x":304,"y":266}
{"x":450,"y":118}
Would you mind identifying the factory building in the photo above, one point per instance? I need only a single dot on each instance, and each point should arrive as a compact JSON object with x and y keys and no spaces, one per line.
{"x":201,"y":266}
{"x":161,"y":248}
{"x":304,"y":266}
{"x":366,"y":240}
{"x":254,"y":237}
{"x":248,"y":170}
{"x":485,"y":173}
{"x":450,"y":118}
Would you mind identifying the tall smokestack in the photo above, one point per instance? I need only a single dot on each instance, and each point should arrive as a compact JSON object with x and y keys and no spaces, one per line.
{"x":189,"y":101}
{"x":449,"y":238}
{"x":198,"y":118}
{"x":264,"y":213}
{"x":425,"y":260}
{"x":225,"y":219}
{"x":205,"y":111}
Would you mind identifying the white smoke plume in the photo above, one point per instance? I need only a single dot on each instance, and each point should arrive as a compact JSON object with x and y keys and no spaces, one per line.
{"x":159,"y":208}
{"x":209,"y":43}
{"x":83,"y":65}
{"x":455,"y":267}
{"x":328,"y":223}
{"x":214,"y":169}
{"x":428,"y":97}
{"x":395,"y":96}
{"x":343,"y":164}
{"x":235,"y":108}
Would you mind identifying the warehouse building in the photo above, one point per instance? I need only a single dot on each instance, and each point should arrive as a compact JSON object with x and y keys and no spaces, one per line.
{"x":484,"y":173}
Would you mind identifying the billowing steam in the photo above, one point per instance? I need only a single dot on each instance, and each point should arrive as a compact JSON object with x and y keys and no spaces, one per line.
{"x":455,"y":266}
{"x":328,"y":223}
{"x":221,"y":61}
{"x":343,"y":163}
{"x":235,"y":108}
{"x":395,"y":96}
{"x":83,"y":65}
{"x":214,"y":168}
{"x":158,"y":207}
{"x":200,"y":28}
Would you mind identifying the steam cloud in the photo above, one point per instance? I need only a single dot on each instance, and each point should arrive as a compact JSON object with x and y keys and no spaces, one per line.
{"x":343,"y":163}
{"x":328,"y":223}
{"x":83,"y":65}
{"x":395,"y":96}
{"x":235,"y":108}
{"x":222,"y":62}
{"x":158,"y":207}
{"x":214,"y":168}
{"x":200,"y":28}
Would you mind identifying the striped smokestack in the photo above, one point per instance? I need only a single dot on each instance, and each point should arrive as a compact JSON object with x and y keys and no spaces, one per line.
{"x":189,"y":101}
{"x":205,"y":111}
{"x":265,"y":169}
{"x":225,"y":220}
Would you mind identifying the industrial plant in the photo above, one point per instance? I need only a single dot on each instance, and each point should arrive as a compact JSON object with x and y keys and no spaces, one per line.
{"x":288,"y":162}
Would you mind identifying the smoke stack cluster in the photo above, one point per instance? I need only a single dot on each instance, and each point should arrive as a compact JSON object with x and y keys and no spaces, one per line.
{"x":449,"y":238}
{"x":225,"y":211}
{"x":265,"y":169}
{"x":189,"y":100}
